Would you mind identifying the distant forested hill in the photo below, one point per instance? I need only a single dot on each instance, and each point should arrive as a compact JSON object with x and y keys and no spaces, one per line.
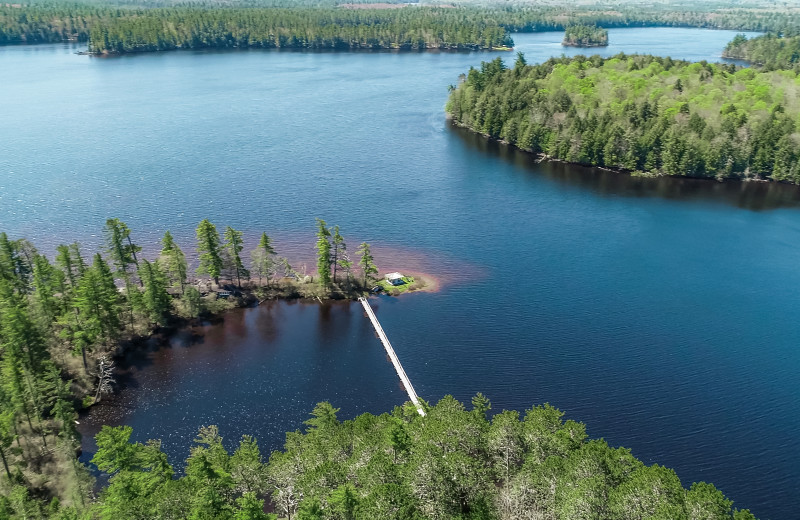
{"x":139,"y":25}
{"x":640,"y":113}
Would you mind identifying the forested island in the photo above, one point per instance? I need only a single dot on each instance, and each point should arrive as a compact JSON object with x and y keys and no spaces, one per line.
{"x":769,"y":52}
{"x":585,"y":36}
{"x":123,"y":27}
{"x":643,"y":114}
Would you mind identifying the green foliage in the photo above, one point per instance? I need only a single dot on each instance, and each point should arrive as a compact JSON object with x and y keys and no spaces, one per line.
{"x":173,"y":263}
{"x":367,"y":263}
{"x":157,"y":301}
{"x":770,"y":52}
{"x":209,"y":249}
{"x":264,"y":262}
{"x":323,"y":253}
{"x":120,"y":248}
{"x":640,"y":113}
{"x":192,"y":302}
{"x":311,"y":28}
{"x":233,"y":248}
{"x":321,"y":24}
{"x":585,"y":36}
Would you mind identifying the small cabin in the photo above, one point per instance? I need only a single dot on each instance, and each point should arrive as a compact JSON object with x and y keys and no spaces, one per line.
{"x":395,"y":279}
{"x":223,"y":295}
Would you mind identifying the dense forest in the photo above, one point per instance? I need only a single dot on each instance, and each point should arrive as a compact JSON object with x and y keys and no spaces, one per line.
{"x":770,"y":52}
{"x":644,"y":114}
{"x":130,"y":27}
{"x":423,"y":28}
{"x":454,"y":463}
{"x":585,"y":36}
{"x":63,"y":319}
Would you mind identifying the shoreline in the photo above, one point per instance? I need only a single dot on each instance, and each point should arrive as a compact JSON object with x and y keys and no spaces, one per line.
{"x":542,"y":157}
{"x":394,"y":50}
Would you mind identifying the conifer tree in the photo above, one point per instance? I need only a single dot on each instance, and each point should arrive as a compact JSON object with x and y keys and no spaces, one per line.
{"x":120,"y":248}
{"x":323,"y":253}
{"x":173,"y":262}
{"x":263,"y":259}
{"x":339,"y":251}
{"x":156,"y":299}
{"x":208,"y":248}
{"x":234,"y":246}
{"x":366,"y":262}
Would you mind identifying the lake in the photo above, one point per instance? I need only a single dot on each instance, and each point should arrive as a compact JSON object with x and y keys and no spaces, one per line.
{"x":657,"y":311}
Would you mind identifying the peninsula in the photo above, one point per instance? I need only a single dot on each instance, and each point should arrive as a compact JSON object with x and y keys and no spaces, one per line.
{"x":645,"y":115}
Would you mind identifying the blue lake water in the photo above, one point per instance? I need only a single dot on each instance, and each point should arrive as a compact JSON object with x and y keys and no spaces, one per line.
{"x":658,"y":311}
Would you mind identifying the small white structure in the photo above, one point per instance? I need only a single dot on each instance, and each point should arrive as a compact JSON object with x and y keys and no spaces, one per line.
{"x":395,"y":278}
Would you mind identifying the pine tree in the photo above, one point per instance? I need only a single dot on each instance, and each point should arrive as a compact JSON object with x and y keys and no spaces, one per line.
{"x":47,"y":281}
{"x":120,"y":248}
{"x":339,"y":251}
{"x":323,"y":253}
{"x":157,"y":301}
{"x":173,"y":262}
{"x":366,"y":262}
{"x":209,"y":250}
{"x":234,"y":246}
{"x":263,"y":259}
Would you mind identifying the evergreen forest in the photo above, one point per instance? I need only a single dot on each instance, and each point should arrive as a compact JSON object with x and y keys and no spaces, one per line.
{"x":64,"y":318}
{"x":768,"y":52}
{"x":585,"y":36}
{"x":121,"y":26}
{"x":644,"y":114}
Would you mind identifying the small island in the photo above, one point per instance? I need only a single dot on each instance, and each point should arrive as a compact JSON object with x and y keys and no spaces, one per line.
{"x":585,"y":36}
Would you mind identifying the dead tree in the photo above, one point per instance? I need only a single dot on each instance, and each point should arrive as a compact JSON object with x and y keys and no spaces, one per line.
{"x":105,"y":379}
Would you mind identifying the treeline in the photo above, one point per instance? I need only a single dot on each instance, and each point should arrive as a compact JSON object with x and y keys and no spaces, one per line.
{"x":454,"y":463}
{"x":642,"y":114}
{"x":113,"y":28}
{"x":770,"y":52}
{"x":585,"y":36}
{"x":61,"y":321}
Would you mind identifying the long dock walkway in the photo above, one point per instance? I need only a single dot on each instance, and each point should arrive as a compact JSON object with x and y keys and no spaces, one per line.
{"x":412,"y":394}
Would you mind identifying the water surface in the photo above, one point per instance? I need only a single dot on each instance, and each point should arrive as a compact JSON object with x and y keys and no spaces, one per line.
{"x":658,"y":311}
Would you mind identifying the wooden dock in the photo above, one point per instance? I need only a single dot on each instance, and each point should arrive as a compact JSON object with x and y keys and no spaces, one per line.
{"x":412,"y":394}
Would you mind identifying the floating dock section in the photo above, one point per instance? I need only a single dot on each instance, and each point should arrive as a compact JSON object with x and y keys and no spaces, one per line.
{"x":412,"y":394}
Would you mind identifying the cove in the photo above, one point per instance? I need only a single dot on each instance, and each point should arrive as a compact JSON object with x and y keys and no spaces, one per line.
{"x":657,"y":311}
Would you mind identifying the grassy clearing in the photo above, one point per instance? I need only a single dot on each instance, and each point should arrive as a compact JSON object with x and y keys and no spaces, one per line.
{"x":411,"y":284}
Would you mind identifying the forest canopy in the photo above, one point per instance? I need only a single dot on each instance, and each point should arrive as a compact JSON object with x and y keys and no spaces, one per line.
{"x":454,"y":463}
{"x":640,"y":113}
{"x":769,"y":51}
{"x":133,"y":25}
{"x":585,"y":36}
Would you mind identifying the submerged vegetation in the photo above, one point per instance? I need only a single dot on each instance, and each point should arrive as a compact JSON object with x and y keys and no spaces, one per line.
{"x":645,"y":114}
{"x":585,"y":36}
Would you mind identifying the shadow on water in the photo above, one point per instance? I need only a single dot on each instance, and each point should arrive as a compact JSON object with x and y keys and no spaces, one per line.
{"x":754,"y":196}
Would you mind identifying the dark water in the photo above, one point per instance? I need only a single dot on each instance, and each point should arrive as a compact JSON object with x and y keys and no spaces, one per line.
{"x":660,"y":312}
